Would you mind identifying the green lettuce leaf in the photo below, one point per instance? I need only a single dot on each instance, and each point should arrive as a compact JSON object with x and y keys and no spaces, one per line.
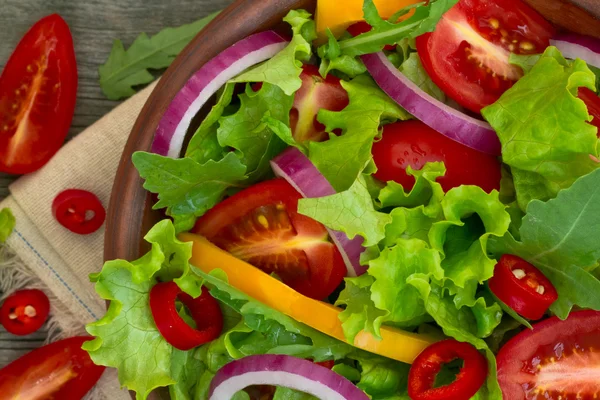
{"x":351,"y":212}
{"x":359,"y":122}
{"x":245,"y":131}
{"x":560,"y":237}
{"x":284,"y":68}
{"x":543,"y":128}
{"x":186,"y":187}
{"x":126,"y":338}
{"x":413,"y":69}
{"x":7,"y":224}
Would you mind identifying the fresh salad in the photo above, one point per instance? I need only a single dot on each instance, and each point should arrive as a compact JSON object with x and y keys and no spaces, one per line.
{"x":398,"y":200}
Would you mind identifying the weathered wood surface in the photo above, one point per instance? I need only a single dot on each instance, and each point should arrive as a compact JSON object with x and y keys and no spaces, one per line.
{"x":94,"y":25}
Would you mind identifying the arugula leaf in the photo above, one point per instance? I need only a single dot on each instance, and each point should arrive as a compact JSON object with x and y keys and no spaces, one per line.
{"x":126,"y":69}
{"x":543,"y":128}
{"x":7,"y":224}
{"x":351,"y":212}
{"x":186,"y":187}
{"x":284,"y":68}
{"x":385,"y":32}
{"x":126,"y":337}
{"x":246,"y":132}
{"x":359,"y":122}
{"x":560,"y":238}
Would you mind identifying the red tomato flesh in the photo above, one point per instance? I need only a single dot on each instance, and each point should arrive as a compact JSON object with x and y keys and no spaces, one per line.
{"x":522,"y":287}
{"x":592,"y":101}
{"x":315,"y":94}
{"x":204,"y":310}
{"x":412,"y":143}
{"x":61,"y":370}
{"x":24,"y":311}
{"x":38,"y":88}
{"x":429,"y":363}
{"x":261,"y":225}
{"x":467,"y":54}
{"x":556,"y":360}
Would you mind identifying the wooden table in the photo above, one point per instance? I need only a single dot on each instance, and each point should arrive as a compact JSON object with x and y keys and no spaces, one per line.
{"x":94,"y":25}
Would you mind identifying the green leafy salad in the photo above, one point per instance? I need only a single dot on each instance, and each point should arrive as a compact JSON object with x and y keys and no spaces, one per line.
{"x":409,"y":210}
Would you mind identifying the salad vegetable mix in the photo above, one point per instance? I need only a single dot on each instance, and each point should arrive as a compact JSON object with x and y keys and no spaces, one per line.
{"x":401,"y":207}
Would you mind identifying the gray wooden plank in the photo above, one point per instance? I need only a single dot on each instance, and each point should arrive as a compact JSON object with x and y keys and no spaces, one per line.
{"x":94,"y":25}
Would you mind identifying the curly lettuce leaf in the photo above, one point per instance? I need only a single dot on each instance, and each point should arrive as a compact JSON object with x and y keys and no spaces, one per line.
{"x":560,"y":237}
{"x":126,"y":338}
{"x":414,"y":70}
{"x":283,"y":70}
{"x":543,"y":128}
{"x":359,"y":122}
{"x":351,"y":212}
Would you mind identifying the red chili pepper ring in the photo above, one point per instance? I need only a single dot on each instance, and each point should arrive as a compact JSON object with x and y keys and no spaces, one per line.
{"x":25,"y":311}
{"x":425,"y":368}
{"x":204,"y":309}
{"x":79,"y":211}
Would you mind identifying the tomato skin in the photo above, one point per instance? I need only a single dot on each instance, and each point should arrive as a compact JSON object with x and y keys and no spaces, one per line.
{"x":38,"y":89}
{"x":557,"y":359}
{"x":592,"y":101}
{"x":204,"y":309}
{"x":428,"y":364}
{"x":14,"y":312}
{"x":60,"y":370}
{"x":412,"y":143}
{"x":261,"y":226}
{"x":520,"y":294}
{"x":71,"y":207}
{"x":467,"y":54}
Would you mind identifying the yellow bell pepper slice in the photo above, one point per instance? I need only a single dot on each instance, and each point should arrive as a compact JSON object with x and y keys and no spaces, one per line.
{"x":339,"y":15}
{"x":395,"y":344}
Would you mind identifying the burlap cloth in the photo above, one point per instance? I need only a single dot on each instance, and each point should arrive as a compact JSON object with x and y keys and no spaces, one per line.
{"x":48,"y":255}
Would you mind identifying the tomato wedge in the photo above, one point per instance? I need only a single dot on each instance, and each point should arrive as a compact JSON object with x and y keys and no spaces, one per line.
{"x":38,"y":88}
{"x":556,"y":360}
{"x":261,"y":226}
{"x":592,"y":101}
{"x":467,"y":54}
{"x":412,"y":143}
{"x":60,"y":370}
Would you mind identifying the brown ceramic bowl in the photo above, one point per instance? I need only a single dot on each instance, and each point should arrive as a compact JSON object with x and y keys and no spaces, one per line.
{"x":130,"y":213}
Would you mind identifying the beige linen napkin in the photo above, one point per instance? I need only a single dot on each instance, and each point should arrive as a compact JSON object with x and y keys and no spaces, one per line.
{"x":43,"y":254}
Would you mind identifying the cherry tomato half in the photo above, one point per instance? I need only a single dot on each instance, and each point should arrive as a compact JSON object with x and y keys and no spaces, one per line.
{"x":60,"y":370}
{"x":421,"y":378}
{"x":204,"y":309}
{"x":261,"y":225}
{"x":38,"y":88}
{"x":412,"y":143}
{"x":79,"y":211}
{"x":467,"y":54}
{"x":556,"y":360}
{"x":24,"y":311}
{"x":522,"y":287}
{"x":592,"y":101}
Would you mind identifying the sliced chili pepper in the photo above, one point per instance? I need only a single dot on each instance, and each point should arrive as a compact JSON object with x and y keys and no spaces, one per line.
{"x":79,"y":211}
{"x":204,"y":309}
{"x":425,"y":368}
{"x":25,"y":311}
{"x":522,"y":287}
{"x":364,"y":27}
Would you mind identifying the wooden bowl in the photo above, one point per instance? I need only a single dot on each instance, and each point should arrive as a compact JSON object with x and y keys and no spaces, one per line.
{"x":130,"y":213}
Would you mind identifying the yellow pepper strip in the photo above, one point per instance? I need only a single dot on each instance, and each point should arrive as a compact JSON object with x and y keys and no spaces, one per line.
{"x":396,"y":344}
{"x":339,"y":15}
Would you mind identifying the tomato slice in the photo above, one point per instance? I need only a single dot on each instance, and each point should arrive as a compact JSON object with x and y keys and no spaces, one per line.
{"x":261,"y":226}
{"x":426,"y":367}
{"x":522,"y":287}
{"x":315,"y":94}
{"x":592,"y":101}
{"x":467,"y":54}
{"x":24,"y":311}
{"x":79,"y":211}
{"x":204,"y":310}
{"x":38,"y":88}
{"x":412,"y":143}
{"x":556,"y":360}
{"x":60,"y":370}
